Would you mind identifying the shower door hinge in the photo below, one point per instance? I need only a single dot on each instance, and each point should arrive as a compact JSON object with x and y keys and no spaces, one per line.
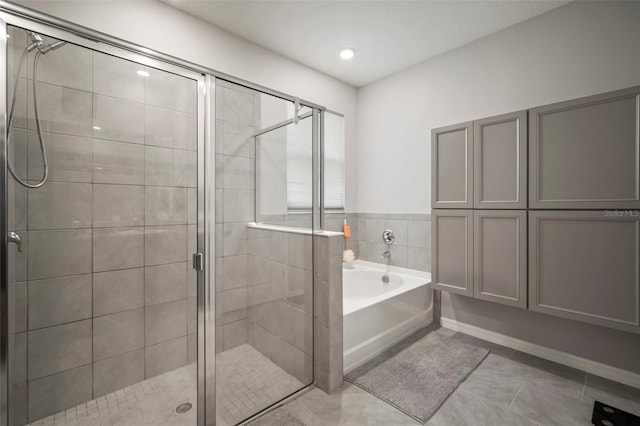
{"x":198,"y":263}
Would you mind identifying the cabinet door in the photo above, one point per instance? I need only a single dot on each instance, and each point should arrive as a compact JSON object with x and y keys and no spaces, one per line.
{"x":584,"y":265}
{"x":500,"y":162}
{"x":585,"y":153}
{"x":452,"y":248}
{"x":500,"y":256}
{"x":452,"y":167}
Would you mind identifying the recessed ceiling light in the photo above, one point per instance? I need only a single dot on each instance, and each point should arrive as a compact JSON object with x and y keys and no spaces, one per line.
{"x":97,"y":128}
{"x":143,"y":73}
{"x":347,"y":53}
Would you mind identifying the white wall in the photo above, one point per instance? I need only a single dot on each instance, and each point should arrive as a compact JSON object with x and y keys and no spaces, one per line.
{"x":162,"y":28}
{"x":579,"y":49}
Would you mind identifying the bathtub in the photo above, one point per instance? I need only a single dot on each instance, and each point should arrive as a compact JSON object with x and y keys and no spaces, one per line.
{"x":378,"y":315}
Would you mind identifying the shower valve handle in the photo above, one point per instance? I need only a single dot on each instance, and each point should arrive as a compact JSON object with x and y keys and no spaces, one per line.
{"x":14,"y":237}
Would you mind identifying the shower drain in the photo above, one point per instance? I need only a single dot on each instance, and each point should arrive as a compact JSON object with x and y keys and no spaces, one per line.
{"x":183,"y":408}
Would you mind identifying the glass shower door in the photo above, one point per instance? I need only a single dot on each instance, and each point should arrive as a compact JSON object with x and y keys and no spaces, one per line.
{"x":101,"y":295}
{"x":264,"y":280}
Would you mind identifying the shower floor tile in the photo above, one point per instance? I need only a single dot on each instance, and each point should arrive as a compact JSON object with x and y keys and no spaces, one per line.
{"x":247,"y":382}
{"x":147,"y":403}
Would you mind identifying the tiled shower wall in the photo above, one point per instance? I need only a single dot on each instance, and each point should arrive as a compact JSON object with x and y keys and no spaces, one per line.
{"x":411,"y":249}
{"x":236,"y":112}
{"x":104,"y":296}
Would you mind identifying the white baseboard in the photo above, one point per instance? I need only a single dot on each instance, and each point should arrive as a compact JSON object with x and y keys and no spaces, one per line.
{"x":592,"y":367}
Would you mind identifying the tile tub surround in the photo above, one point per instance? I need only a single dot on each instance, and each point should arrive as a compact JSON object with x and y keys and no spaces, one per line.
{"x":411,"y":249}
{"x":103,"y":294}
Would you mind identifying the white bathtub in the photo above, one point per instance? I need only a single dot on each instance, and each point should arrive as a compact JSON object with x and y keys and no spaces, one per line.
{"x":378,"y":315}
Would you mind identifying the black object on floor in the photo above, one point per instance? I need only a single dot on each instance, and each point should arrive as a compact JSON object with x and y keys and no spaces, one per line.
{"x":606,"y":415}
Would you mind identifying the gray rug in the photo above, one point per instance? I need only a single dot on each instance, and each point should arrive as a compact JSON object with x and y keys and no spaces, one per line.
{"x":279,"y":417}
{"x":418,"y":374}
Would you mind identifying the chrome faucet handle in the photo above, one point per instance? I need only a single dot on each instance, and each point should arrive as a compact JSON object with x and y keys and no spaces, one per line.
{"x":387,"y":237}
{"x":14,"y":237}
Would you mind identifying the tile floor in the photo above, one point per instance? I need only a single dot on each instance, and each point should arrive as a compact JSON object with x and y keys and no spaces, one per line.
{"x":247,"y":383}
{"x":508,"y":388}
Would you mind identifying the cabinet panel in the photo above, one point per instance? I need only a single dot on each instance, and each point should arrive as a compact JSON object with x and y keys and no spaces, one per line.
{"x":585,"y":153}
{"x":452,"y":166}
{"x":585,"y":265}
{"x":452,"y":248}
{"x":500,"y":256}
{"x":500,"y":162}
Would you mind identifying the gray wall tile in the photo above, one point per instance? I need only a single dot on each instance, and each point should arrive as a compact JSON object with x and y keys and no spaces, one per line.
{"x":20,"y":404}
{"x":420,"y":233}
{"x":118,"y":333}
{"x":59,"y":348}
{"x":165,"y":356}
{"x":69,"y":67}
{"x":165,"y":244}
{"x":60,"y":205}
{"x":20,"y":357}
{"x":165,"y":283}
{"x":62,"y":110}
{"x":117,"y":291}
{"x":18,"y":293}
{"x":117,"y":248}
{"x":117,"y":119}
{"x":238,"y":205}
{"x":59,"y":300}
{"x":46,"y":397}
{"x":165,"y":205}
{"x":70,"y":157}
{"x":159,"y":166}
{"x":165,"y":321}
{"x":114,"y":77}
{"x":165,"y":128}
{"x":192,"y":348}
{"x":235,"y":139}
{"x":59,"y":253}
{"x":118,"y":162}
{"x":167,"y":90}
{"x":192,"y":315}
{"x":234,"y":334}
{"x":118,"y":205}
{"x":115,"y":373}
{"x":235,"y":106}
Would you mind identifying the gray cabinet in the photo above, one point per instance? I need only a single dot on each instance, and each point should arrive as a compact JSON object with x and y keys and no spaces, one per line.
{"x":500,"y":256}
{"x":452,"y":250}
{"x":500,"y":162}
{"x":585,"y":153}
{"x":585,"y":265}
{"x":452,"y":166}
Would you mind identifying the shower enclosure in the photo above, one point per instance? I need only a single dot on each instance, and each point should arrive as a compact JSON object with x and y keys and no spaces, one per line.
{"x":147,"y":277}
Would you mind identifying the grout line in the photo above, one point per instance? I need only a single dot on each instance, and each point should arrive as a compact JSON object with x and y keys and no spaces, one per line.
{"x":517,"y":392}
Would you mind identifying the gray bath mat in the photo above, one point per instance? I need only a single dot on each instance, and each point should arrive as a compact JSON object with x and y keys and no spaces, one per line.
{"x":278,"y":417}
{"x":418,"y":374}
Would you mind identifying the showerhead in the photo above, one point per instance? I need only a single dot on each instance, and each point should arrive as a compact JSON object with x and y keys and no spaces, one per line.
{"x":48,"y":48}
{"x":36,"y":42}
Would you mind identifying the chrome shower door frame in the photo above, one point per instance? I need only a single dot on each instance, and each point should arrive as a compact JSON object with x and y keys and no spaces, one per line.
{"x":205,"y":192}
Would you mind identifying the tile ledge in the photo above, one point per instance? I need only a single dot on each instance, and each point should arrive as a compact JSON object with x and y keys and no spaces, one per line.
{"x":293,"y":230}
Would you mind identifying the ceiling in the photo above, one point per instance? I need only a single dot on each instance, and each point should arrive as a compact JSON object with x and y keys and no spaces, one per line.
{"x":388,"y":36}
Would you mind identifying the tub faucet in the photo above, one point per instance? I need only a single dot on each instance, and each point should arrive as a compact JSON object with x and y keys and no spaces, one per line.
{"x":387,"y":257}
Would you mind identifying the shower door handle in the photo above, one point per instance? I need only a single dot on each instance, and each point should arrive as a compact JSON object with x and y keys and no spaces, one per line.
{"x":14,"y":237}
